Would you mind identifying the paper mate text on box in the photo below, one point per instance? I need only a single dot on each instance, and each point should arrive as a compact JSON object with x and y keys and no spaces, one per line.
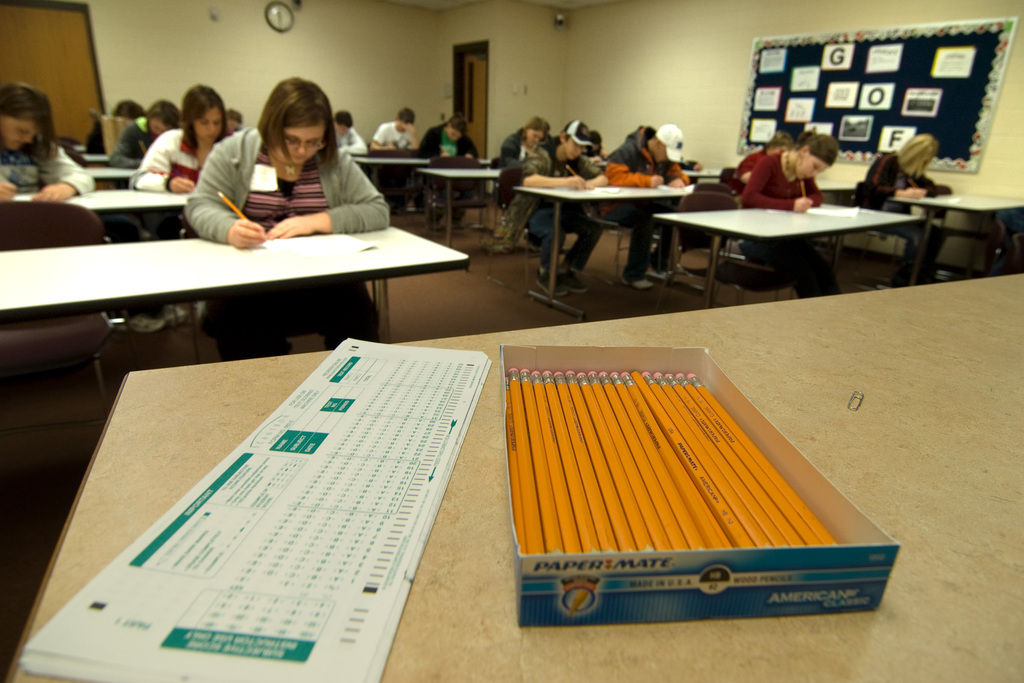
{"x":678,"y":585}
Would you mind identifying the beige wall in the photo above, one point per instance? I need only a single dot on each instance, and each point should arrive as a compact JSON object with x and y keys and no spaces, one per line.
{"x":615,"y":66}
{"x":527,"y":62}
{"x":369,"y":57}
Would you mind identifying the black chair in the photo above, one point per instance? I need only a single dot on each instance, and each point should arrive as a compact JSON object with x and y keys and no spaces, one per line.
{"x":726,"y":175}
{"x":466,"y":193}
{"x":396,"y":182}
{"x":57,"y":345}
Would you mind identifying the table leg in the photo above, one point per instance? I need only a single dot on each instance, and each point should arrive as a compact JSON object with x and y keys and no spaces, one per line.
{"x":550,"y":298}
{"x":380,"y":298}
{"x":448,"y":211}
{"x":922,"y":247}
{"x":671,"y":272}
{"x":709,"y":286}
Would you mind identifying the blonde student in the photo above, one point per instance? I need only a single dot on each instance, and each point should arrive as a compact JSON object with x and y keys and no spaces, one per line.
{"x":30,"y":158}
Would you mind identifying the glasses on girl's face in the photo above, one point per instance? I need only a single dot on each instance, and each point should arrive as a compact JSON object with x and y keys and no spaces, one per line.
{"x":295,"y":143}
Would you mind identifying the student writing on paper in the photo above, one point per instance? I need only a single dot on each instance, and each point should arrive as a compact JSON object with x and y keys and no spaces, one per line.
{"x":786,"y":182}
{"x":138,"y":136}
{"x":519,"y":144}
{"x":779,"y":143}
{"x":288,"y":180}
{"x":647,"y":158}
{"x":175,"y":159}
{"x":30,"y":158}
{"x":397,"y":134}
{"x":448,"y":140}
{"x":565,"y":168}
{"x":349,"y":141}
{"x":902,"y":175}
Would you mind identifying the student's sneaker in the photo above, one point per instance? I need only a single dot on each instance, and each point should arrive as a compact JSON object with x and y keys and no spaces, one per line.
{"x":174,"y":315}
{"x":145,"y":323}
{"x":643,"y":284}
{"x":571,"y":282}
{"x":542,"y":281}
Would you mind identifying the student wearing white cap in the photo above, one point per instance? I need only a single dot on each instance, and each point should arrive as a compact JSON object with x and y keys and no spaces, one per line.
{"x":649,"y":157}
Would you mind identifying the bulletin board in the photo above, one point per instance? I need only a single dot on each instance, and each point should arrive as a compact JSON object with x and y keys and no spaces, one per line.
{"x":875,"y":89}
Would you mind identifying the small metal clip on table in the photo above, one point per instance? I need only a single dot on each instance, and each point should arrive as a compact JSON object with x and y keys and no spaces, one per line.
{"x":558,"y":196}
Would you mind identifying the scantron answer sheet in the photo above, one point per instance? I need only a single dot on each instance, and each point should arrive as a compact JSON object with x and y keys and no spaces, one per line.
{"x":293,"y":558}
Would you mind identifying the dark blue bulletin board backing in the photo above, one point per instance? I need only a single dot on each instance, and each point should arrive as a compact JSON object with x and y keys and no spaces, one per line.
{"x":957,"y":103}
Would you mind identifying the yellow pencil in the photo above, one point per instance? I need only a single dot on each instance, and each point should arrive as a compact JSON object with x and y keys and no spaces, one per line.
{"x":512,"y":447}
{"x":231,"y":204}
{"x":588,"y":477}
{"x":689,"y":456}
{"x":767,"y":472}
{"x":749,"y":492}
{"x":542,"y":476}
{"x":580,"y":510}
{"x":649,"y":514}
{"x":612,"y":504}
{"x":646,"y":458}
{"x":532,"y":541}
{"x":631,"y":510}
{"x":660,"y":459}
{"x":705,"y":520}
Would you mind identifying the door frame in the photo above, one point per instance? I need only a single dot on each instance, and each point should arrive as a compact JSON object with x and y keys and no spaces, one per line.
{"x":459,"y":85}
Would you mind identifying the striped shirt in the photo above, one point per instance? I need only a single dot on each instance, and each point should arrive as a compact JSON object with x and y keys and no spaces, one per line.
{"x":303,"y":197}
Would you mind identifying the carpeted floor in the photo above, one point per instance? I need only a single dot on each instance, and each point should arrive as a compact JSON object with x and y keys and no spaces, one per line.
{"x":41,"y":467}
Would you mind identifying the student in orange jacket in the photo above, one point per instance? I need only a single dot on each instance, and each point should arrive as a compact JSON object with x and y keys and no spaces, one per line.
{"x":648,"y":158}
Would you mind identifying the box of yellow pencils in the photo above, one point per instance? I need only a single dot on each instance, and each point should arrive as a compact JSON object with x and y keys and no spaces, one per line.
{"x":645,"y":487}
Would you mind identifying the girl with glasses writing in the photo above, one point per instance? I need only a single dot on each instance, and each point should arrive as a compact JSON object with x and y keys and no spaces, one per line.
{"x":287,"y":180}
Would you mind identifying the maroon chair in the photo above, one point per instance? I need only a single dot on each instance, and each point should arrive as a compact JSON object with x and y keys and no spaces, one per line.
{"x":57,"y":345}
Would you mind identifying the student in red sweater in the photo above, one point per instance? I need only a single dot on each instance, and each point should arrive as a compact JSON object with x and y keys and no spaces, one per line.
{"x":780,"y":142}
{"x":786,"y":182}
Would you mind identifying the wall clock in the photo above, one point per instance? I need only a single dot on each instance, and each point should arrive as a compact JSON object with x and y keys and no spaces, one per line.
{"x":279,"y":16}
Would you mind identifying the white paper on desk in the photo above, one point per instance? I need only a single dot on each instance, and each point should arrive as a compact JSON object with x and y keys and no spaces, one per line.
{"x":606,"y":189}
{"x":293,"y":558}
{"x":314,"y":245}
{"x":686,"y":189}
{"x":849,"y":212}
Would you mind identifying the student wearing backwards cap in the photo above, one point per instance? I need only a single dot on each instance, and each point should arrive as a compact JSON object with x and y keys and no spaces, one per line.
{"x":565,"y":167}
{"x":648,"y":158}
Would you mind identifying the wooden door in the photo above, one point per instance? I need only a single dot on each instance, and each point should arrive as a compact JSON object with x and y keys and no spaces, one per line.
{"x":49,"y":45}
{"x":470,"y":92}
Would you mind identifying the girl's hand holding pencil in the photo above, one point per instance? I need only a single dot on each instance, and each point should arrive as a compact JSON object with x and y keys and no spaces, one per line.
{"x":243,"y":233}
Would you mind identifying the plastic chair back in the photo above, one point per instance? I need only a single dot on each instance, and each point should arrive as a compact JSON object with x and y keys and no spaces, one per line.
{"x":38,"y":225}
{"x":714,"y":187}
{"x":707,"y":201}
{"x":508,"y":179}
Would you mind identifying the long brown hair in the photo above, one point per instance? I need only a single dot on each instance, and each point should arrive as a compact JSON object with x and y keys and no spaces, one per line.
{"x":26,"y":102}
{"x":198,"y":100}
{"x":296,"y":103}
